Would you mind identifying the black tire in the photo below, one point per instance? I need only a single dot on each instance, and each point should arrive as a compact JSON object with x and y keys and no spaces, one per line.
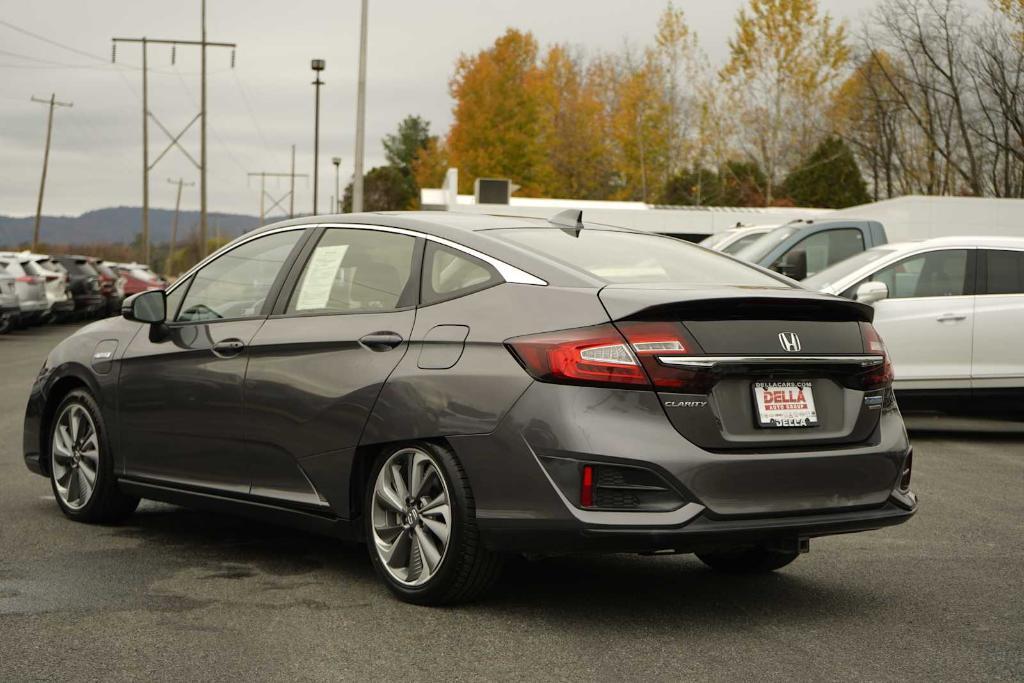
{"x":467,"y":568}
{"x":106,"y":503}
{"x":747,"y":560}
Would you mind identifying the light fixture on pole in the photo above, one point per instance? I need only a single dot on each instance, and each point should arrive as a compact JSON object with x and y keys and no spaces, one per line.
{"x":317,"y":66}
{"x":337,"y":197}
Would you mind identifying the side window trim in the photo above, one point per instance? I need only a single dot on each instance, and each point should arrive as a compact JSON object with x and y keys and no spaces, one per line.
{"x":427,"y":272}
{"x":298,"y":265}
{"x":189,"y":277}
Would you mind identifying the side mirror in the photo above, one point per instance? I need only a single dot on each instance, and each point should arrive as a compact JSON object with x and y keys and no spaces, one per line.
{"x":146,"y":307}
{"x":794,"y":264}
{"x":870,"y":292}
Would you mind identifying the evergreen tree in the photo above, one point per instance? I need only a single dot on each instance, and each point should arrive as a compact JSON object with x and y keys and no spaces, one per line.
{"x":828,"y":178}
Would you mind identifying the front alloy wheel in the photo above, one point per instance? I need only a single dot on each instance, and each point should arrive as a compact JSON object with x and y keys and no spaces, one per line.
{"x":421,"y":526}
{"x":81,"y":466}
{"x":76,"y":456}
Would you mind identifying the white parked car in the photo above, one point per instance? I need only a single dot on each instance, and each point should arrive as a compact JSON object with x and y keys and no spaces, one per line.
{"x":732,"y":240}
{"x":950,"y":311}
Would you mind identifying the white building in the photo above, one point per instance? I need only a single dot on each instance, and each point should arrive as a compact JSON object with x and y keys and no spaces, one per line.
{"x":912,"y":217}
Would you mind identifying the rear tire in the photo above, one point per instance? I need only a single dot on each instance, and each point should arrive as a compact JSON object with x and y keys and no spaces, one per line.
{"x":82,"y":465}
{"x":406,"y":533}
{"x":747,"y":560}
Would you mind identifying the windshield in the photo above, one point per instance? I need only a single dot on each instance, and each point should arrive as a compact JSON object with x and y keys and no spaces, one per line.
{"x":627,"y":257}
{"x":759,"y":248}
{"x":742,"y":243}
{"x":831,"y":275}
{"x":80,"y":267}
{"x":712,"y":241}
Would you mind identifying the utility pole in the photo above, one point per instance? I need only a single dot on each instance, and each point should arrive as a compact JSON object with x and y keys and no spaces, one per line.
{"x":201,"y":165}
{"x":337,"y":187}
{"x":46,"y":160}
{"x":291,"y":190}
{"x":263,"y":175}
{"x":318,"y":66}
{"x":174,"y":226}
{"x":357,"y":180}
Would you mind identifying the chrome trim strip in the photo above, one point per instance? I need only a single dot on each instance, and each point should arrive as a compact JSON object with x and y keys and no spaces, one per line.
{"x":241,"y":241}
{"x":710,"y":361}
{"x":509,"y":273}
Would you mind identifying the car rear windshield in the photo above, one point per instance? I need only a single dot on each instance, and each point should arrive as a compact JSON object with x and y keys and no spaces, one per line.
{"x":759,"y":248}
{"x":628,"y":257}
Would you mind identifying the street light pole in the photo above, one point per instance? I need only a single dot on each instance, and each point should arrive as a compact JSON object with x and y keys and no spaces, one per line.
{"x":318,"y":66}
{"x":337,"y":197}
{"x":357,"y":180}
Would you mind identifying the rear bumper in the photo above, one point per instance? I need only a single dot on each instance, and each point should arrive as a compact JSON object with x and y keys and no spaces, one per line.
{"x":704,"y":532}
{"x":728,"y":497}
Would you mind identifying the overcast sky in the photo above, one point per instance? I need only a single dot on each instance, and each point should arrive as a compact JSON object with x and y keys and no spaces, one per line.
{"x":265,"y":104}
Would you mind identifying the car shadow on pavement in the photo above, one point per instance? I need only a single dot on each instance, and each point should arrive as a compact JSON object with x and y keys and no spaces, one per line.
{"x":669,"y":589}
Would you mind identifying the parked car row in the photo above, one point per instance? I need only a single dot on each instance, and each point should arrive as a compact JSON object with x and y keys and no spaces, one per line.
{"x":39,"y":288}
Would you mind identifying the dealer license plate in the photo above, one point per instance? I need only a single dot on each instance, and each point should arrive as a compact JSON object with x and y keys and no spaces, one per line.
{"x":785,"y":404}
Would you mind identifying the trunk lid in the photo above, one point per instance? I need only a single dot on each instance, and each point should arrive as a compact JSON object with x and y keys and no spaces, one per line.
{"x":745,"y":346}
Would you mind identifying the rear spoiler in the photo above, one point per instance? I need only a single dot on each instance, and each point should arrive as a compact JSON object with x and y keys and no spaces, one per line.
{"x":724,"y":303}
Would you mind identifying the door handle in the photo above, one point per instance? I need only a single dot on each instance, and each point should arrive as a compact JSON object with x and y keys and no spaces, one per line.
{"x":228,"y":347}
{"x":381,"y":341}
{"x":951,"y":317}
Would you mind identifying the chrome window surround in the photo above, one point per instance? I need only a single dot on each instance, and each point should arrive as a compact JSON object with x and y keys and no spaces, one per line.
{"x":711,"y":361}
{"x":507,"y":272}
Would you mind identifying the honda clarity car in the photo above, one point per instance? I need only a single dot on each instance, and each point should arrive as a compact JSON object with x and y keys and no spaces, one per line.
{"x":454,"y":388}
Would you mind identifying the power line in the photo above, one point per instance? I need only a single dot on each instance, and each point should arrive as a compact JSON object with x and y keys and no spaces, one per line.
{"x":53,"y":42}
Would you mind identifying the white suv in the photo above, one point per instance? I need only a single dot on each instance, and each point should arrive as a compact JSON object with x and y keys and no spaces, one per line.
{"x":949,"y":310}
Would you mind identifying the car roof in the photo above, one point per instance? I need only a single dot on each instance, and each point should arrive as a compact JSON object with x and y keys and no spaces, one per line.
{"x":965,"y":241}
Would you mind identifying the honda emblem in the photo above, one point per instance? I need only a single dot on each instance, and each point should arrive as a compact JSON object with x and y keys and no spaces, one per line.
{"x":790,"y":341}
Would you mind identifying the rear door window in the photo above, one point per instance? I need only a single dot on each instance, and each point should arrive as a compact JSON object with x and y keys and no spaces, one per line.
{"x":1004,"y":272}
{"x":357,"y":271}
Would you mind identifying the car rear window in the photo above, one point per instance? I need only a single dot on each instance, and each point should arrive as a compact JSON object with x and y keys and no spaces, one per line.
{"x":628,"y":257}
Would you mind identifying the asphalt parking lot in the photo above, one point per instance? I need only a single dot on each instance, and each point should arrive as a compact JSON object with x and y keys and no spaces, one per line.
{"x":175,"y":594}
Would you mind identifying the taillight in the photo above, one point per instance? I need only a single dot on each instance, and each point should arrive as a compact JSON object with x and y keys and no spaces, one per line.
{"x":31,"y":279}
{"x":653,"y":340}
{"x":624,"y":354}
{"x":588,"y":355}
{"x":880,"y":376}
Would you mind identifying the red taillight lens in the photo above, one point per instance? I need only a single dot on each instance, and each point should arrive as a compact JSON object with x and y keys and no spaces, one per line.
{"x":31,"y":279}
{"x":653,"y":340}
{"x":624,"y":354}
{"x":587,"y":487}
{"x":879,"y":376}
{"x":588,"y":355}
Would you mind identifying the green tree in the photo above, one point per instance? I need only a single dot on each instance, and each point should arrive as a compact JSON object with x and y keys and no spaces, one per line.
{"x":828,"y":178}
{"x":736,"y":183}
{"x":384,"y":189}
{"x":403,"y":147}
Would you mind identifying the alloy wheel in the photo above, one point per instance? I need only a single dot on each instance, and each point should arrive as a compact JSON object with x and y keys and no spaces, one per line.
{"x":76,"y":456}
{"x":411,"y":516}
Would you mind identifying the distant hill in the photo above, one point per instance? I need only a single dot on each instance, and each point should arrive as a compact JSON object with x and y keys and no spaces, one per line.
{"x":118,"y":224}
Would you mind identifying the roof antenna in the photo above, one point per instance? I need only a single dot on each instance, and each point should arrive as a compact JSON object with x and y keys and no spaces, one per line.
{"x":570,"y":220}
